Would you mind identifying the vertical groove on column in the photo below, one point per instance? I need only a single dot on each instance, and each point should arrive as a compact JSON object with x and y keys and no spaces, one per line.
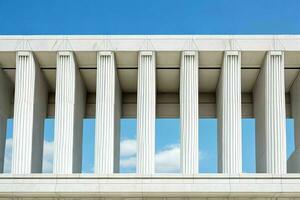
{"x":29,"y":113}
{"x":229,"y":115}
{"x":69,"y":113}
{"x":270,"y":115}
{"x":146,"y":103}
{"x":189,"y":112}
{"x":275,"y":115}
{"x":108,"y":98}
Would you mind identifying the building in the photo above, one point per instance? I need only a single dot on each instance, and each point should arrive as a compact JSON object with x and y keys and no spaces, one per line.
{"x":109,"y":77}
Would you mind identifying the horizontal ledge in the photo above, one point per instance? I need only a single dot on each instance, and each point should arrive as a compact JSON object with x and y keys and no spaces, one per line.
{"x":151,"y":43}
{"x":155,"y":176}
{"x":155,"y":186}
{"x":158,"y":68}
{"x":170,"y":68}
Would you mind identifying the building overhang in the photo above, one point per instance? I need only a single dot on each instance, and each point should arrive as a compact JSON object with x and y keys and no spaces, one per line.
{"x":150,"y":42}
{"x":168,"y":50}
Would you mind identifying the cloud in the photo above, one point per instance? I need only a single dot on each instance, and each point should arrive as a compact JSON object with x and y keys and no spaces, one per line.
{"x":128,"y":147}
{"x":128,"y":163}
{"x":47,"y":156}
{"x":7,"y":158}
{"x":166,"y":160}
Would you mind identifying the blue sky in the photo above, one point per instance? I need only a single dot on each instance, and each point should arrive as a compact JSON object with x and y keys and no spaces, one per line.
{"x":151,"y":17}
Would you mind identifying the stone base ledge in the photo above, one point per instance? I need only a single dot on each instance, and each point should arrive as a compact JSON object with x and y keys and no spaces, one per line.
{"x":166,"y":185}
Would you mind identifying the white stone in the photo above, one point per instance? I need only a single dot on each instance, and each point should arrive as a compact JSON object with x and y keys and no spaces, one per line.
{"x":158,"y":42}
{"x":108,"y":113}
{"x":69,"y":113}
{"x":269,"y":110}
{"x":30,"y":106}
{"x":229,"y":115}
{"x":189,"y":157}
{"x":166,"y":186}
{"x":146,"y":103}
{"x":124,"y":56}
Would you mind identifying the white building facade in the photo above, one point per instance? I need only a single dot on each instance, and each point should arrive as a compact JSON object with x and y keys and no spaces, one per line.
{"x":108,"y":78}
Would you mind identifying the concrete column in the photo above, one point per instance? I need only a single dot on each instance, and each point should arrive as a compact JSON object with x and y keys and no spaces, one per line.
{"x":69,"y":113}
{"x":269,"y":111}
{"x":229,"y":115}
{"x":108,"y":114}
{"x":293,"y":164}
{"x":189,"y":158}
{"x":30,"y":107}
{"x":5,"y":110}
{"x":146,"y":110}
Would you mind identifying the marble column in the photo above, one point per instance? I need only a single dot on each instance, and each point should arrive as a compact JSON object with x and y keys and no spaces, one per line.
{"x":6,"y":89}
{"x":108,"y":114}
{"x":69,"y":113}
{"x":189,"y":157}
{"x":30,"y":107}
{"x":229,"y":115}
{"x":293,"y":164}
{"x":269,"y":111}
{"x":146,"y":111}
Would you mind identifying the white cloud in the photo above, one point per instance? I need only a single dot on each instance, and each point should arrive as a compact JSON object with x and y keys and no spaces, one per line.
{"x":7,"y":158}
{"x":48,"y":157}
{"x":128,"y":147}
{"x":128,"y":163}
{"x":168,"y":159}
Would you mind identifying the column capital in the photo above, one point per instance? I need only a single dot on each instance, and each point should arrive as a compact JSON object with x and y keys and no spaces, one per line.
{"x":146,"y":53}
{"x":190,"y":53}
{"x":105,"y":53}
{"x":276,"y":53}
{"x":65,"y":53}
{"x":24,"y":53}
{"x":232,"y":53}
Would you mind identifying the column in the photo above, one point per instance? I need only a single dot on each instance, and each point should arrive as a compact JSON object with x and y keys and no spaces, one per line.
{"x":189,"y":158}
{"x":30,"y":107}
{"x":108,"y":114}
{"x":146,"y":103}
{"x":269,"y":111}
{"x":229,"y":115}
{"x":293,"y":164}
{"x":5,"y":110}
{"x":69,"y":112}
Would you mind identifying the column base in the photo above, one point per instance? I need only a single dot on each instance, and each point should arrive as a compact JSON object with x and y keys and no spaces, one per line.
{"x":293,"y":163}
